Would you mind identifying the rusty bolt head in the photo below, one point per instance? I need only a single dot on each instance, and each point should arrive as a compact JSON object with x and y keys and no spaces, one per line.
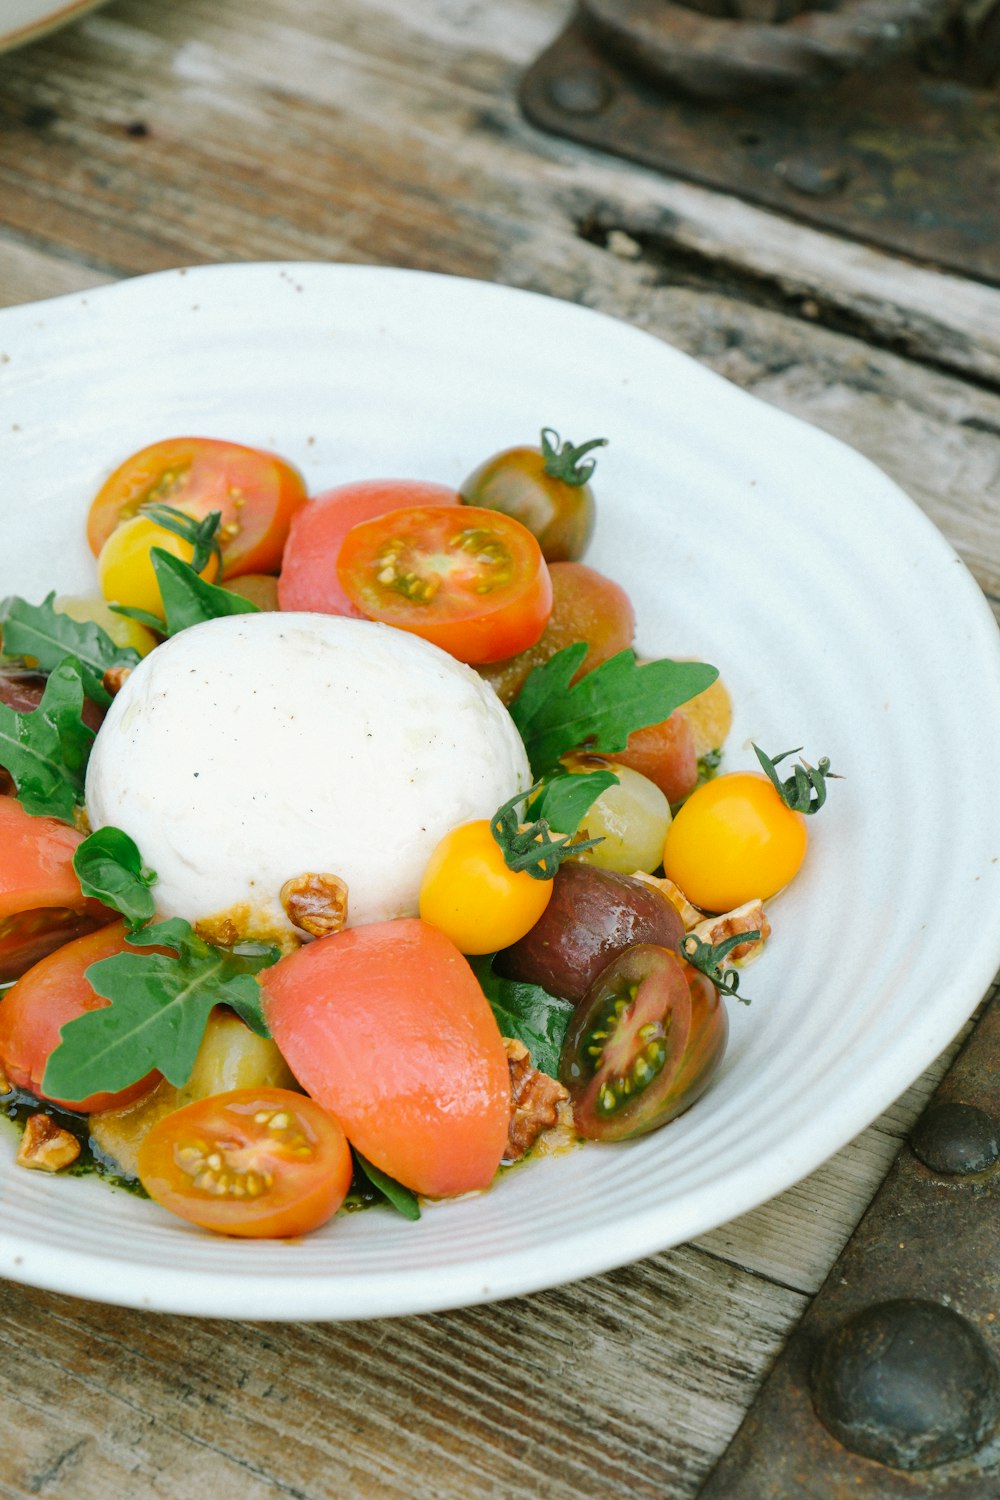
{"x":907,"y":1382}
{"x":957,"y":1140}
{"x":583,"y":91}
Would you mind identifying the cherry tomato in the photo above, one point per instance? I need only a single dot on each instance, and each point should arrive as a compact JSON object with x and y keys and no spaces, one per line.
{"x":261,"y":589}
{"x":92,"y":609}
{"x":386,"y":1026}
{"x":258,"y":1163}
{"x":125,"y":567}
{"x":545,"y":489}
{"x":309,"y":567}
{"x":629,"y":818}
{"x":665,"y":753}
{"x":733,"y":840}
{"x":471,"y":581}
{"x":586,"y":606}
{"x":257,"y":493}
{"x":41,"y":904}
{"x":469,"y":893}
{"x":49,"y":996}
{"x":642,"y":1045}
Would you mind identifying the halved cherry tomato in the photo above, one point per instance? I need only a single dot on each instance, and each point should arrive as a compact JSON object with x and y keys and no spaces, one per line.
{"x":258,"y":1163}
{"x":49,"y":996}
{"x":469,"y":893}
{"x":256,"y":491}
{"x":41,"y":903}
{"x":309,"y":566}
{"x":471,"y":581}
{"x":733,"y":840}
{"x":586,"y":606}
{"x":642,"y":1045}
{"x":386,"y":1026}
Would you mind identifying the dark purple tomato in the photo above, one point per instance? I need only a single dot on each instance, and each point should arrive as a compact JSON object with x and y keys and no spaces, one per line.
{"x":592,"y":916}
{"x":643,"y":1045}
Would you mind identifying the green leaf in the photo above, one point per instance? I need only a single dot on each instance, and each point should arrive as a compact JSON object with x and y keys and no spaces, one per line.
{"x":188,"y":599}
{"x":566,"y":798}
{"x":400,"y":1197}
{"x":159,"y":1007}
{"x":526,"y":1012}
{"x":605,"y":706}
{"x":110,"y":868}
{"x":42,"y":632}
{"x":46,"y":750}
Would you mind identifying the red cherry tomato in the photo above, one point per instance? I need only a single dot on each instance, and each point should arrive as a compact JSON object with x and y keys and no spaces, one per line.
{"x":259,"y":1163}
{"x":257,"y":493}
{"x":643,"y":1044}
{"x":41,"y":904}
{"x":53,"y":993}
{"x":309,"y":567}
{"x":665,"y":753}
{"x":471,"y":581}
{"x":386,"y":1026}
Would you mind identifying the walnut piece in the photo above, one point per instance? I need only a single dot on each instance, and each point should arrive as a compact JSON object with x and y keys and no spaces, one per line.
{"x":689,"y":915}
{"x":534,"y":1101}
{"x":45,"y":1146}
{"x":114,"y":679}
{"x":750,"y":917}
{"x":316,"y":903}
{"x":5,"y":1085}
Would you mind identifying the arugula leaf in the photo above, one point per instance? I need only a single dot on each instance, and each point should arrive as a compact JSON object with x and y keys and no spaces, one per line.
{"x":605,"y":706}
{"x":110,"y":868}
{"x":188,"y":599}
{"x":526,"y":1012}
{"x":566,"y":798}
{"x":160,"y":1004}
{"x":45,"y":750}
{"x":42,"y":632}
{"x":400,"y":1197}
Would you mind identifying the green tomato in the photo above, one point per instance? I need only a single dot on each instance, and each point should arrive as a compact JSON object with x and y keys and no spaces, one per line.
{"x":631,"y":818}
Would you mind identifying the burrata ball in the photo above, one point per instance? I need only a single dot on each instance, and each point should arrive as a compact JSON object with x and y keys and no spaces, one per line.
{"x":257,"y":748}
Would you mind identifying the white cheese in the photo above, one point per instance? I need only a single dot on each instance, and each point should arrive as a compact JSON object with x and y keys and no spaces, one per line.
{"x":255,"y":748}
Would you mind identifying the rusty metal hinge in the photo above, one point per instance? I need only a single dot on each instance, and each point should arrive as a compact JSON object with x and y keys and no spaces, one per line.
{"x":879,"y":119}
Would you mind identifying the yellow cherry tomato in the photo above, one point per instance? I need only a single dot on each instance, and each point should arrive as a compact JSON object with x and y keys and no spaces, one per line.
{"x":470,"y":895}
{"x":125,"y":568}
{"x":91,"y":609}
{"x":733,"y":840}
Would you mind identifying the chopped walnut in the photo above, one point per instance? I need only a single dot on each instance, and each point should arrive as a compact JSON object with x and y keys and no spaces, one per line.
{"x":689,"y":915}
{"x":316,"y":903}
{"x":534,"y":1101}
{"x":114,"y":679}
{"x":750,"y":917}
{"x":221,"y":930}
{"x":45,"y":1146}
{"x":5,"y":1085}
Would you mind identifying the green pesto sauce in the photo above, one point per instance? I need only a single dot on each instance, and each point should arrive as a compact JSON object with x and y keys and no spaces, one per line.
{"x":17,"y":1106}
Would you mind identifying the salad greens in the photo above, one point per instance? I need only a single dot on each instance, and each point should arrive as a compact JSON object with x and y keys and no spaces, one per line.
{"x":45,"y":635}
{"x":45,"y":751}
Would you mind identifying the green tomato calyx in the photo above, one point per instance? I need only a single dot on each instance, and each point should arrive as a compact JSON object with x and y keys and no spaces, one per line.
{"x":562,"y":460}
{"x":805,"y":790}
{"x":708,"y":958}
{"x":530,"y":846}
{"x":202,"y":535}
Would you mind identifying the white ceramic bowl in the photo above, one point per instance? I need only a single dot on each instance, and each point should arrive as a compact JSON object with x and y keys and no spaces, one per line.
{"x":840,"y":618}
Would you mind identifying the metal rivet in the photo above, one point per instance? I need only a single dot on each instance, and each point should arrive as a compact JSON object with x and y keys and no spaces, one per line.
{"x":585,"y":91}
{"x":957,"y":1140}
{"x":909,"y":1383}
{"x":814,"y":179}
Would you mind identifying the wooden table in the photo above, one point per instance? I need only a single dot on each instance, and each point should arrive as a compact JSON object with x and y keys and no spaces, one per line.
{"x":153,"y":135}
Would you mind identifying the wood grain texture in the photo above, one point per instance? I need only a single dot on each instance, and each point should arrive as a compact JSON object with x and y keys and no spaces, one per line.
{"x":154,"y":135}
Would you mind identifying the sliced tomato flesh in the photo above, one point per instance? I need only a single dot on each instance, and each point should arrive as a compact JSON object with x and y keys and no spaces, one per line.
{"x":472,"y":581}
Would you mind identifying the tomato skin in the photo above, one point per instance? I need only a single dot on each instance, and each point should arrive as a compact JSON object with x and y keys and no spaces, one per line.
{"x":46,"y":998}
{"x":560,"y":515}
{"x":257,"y":493}
{"x":41,"y":903}
{"x":473,"y":582}
{"x":285,"y":1163}
{"x":308,"y":578}
{"x":586,"y":606}
{"x":665,"y":753}
{"x":656,"y":1024}
{"x":734,"y":840}
{"x":386,"y":1026}
{"x":125,"y":567}
{"x":469,"y":893}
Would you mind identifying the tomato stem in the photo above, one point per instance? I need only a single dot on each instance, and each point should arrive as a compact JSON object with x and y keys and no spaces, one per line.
{"x":805,"y":790}
{"x":202,"y":534}
{"x":529,"y":846}
{"x":709,"y":957}
{"x":563,"y":462}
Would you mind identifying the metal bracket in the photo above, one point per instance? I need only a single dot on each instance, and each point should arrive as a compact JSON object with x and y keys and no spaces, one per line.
{"x":902,"y":157}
